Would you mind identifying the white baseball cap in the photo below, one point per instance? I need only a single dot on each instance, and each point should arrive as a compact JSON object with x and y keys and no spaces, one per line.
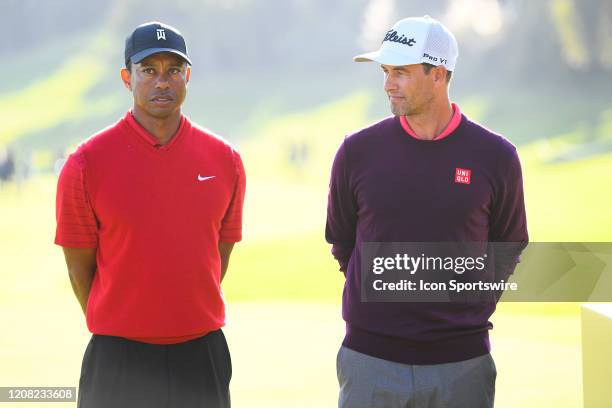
{"x":415,"y":40}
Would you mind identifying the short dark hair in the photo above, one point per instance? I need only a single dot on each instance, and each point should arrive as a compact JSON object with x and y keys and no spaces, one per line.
{"x":428,"y":67}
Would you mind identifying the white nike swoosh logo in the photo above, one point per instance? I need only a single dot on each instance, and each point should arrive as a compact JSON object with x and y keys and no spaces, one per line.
{"x":200,"y":178}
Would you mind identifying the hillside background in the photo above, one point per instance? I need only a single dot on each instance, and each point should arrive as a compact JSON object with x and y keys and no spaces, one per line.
{"x":536,"y":69}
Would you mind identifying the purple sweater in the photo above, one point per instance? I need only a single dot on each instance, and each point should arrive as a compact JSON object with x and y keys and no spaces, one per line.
{"x":387,"y":186}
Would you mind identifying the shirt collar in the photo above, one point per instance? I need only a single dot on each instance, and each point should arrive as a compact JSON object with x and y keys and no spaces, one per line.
{"x":450,"y":128}
{"x":148,"y":137}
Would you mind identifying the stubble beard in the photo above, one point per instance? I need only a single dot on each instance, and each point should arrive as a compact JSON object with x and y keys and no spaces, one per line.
{"x":401,"y":109}
{"x":413,"y":107}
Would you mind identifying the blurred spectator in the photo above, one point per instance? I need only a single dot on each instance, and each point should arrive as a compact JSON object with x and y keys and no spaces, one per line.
{"x":7,"y":165}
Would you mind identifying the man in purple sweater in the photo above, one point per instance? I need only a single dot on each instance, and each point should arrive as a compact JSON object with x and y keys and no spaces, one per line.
{"x":425,"y":174}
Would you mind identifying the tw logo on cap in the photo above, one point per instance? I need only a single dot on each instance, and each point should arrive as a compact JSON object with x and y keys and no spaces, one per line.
{"x":463,"y":176}
{"x":161,"y":34}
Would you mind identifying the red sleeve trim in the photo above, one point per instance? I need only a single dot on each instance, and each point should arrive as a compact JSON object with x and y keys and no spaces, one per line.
{"x":77,"y":226}
{"x":231,"y":226}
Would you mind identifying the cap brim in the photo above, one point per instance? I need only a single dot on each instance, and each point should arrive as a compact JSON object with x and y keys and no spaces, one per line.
{"x":139,"y":56}
{"x":387,"y":57}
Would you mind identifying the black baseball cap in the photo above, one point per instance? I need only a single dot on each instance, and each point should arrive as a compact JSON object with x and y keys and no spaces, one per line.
{"x":152,"y":38}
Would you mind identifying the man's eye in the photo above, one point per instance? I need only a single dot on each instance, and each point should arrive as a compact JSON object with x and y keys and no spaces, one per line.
{"x":148,"y":70}
{"x":175,"y":71}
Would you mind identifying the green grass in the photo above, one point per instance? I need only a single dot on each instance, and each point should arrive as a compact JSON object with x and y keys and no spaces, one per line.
{"x":283,"y":287}
{"x":284,"y":255}
{"x":321,"y":130}
{"x":58,"y":98}
{"x":567,"y":201}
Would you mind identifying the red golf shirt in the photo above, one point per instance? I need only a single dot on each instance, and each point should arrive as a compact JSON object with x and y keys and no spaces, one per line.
{"x":156,"y":215}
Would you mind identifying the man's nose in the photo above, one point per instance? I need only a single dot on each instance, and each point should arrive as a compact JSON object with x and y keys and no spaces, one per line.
{"x":162,"y":81}
{"x":389,"y":83}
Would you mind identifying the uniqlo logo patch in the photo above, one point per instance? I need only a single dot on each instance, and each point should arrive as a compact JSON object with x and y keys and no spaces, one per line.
{"x":463,"y":176}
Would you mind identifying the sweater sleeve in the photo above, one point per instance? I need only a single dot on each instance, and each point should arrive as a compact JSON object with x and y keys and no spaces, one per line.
{"x":340,"y":228}
{"x":508,"y":222}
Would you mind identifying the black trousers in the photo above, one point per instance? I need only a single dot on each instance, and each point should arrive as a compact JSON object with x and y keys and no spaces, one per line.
{"x":121,"y":373}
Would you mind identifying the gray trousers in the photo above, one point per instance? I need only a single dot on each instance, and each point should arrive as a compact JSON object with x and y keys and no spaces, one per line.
{"x":370,"y":382}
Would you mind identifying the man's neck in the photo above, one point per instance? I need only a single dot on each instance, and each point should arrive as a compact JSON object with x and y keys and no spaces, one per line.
{"x":163,"y":129}
{"x":427,"y":125}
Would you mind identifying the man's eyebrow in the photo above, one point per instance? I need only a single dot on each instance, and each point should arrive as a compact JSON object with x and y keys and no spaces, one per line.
{"x":394,"y":68}
{"x":174,"y":66}
{"x":177,"y":63}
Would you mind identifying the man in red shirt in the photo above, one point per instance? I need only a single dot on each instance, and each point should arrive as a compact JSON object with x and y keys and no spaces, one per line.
{"x":148,"y":211}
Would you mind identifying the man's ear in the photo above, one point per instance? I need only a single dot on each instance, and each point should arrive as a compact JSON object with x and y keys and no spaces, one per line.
{"x":439,"y":73}
{"x":126,"y":77}
{"x":188,"y":73}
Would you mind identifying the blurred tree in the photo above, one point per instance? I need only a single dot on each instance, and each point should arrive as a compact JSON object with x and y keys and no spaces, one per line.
{"x":32,"y":23}
{"x":262,"y":59}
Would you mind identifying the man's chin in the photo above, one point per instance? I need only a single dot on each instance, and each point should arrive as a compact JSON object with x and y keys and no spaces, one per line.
{"x":162,"y":113}
{"x":397,"y":111}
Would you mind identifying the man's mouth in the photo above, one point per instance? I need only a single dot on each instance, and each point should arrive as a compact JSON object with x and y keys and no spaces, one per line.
{"x":162,"y":99}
